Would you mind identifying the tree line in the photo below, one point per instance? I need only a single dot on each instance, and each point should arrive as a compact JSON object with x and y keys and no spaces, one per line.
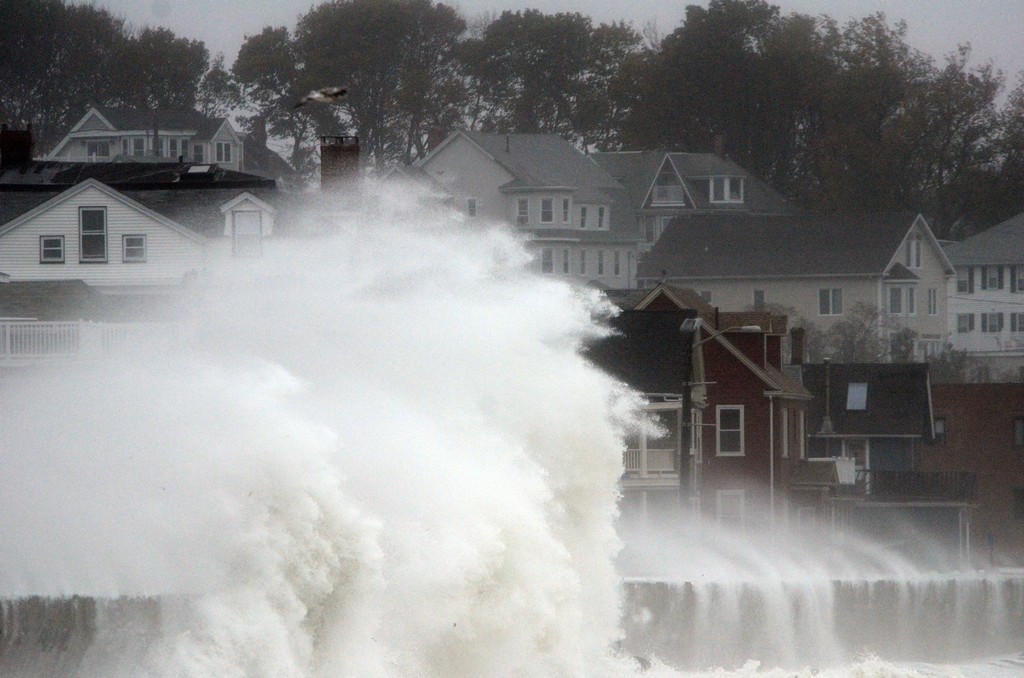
{"x":836,"y":116}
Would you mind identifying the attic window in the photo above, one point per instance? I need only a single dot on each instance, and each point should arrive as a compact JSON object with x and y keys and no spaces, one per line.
{"x":857,"y":396}
{"x":667,"y":188}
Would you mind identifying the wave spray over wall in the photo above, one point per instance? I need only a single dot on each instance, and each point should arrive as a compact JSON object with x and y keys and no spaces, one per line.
{"x":374,"y":453}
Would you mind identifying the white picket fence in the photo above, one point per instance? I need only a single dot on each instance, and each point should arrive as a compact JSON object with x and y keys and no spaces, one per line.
{"x":25,"y":342}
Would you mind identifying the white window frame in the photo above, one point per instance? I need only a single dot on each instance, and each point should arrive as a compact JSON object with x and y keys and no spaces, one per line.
{"x":728,"y":194}
{"x":933,"y":301}
{"x":223,"y":150}
{"x":44,"y":248}
{"x":1017,"y":322}
{"x":964,"y":323}
{"x":895,"y":302}
{"x":547,"y":260}
{"x":830,"y":301}
{"x":247,"y":252}
{"x":719,"y":409}
{"x":992,"y":322}
{"x":137,"y":258}
{"x":82,"y":235}
{"x":523,"y":211}
{"x":547,"y":210}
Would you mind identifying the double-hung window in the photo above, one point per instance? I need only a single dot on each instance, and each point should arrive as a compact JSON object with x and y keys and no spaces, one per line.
{"x":991,"y":277}
{"x":964,"y":323}
{"x":97,"y":149}
{"x":965,"y":280}
{"x":933,"y":301}
{"x":730,"y":431}
{"x":583,"y":262}
{"x":830,"y":301}
{"x":547,"y":210}
{"x":911,"y":301}
{"x":522,"y":211}
{"x":51,"y":249}
{"x":600,"y":262}
{"x":223,"y":149}
{"x":92,"y":231}
{"x":565,"y":210}
{"x":565,"y":261}
{"x":992,"y":323}
{"x":133,"y":248}
{"x":547,"y":260}
{"x":583,"y":216}
{"x":895,"y":300}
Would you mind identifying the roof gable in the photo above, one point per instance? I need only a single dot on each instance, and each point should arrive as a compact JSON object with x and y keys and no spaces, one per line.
{"x":112,"y":194}
{"x":749,"y":245}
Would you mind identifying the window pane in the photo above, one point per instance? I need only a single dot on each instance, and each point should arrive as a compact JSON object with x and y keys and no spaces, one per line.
{"x":729,"y":441}
{"x":729,"y":419}
{"x":94,"y":234}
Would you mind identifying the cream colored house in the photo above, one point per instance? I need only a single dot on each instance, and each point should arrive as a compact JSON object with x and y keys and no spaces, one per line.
{"x":820,"y":267}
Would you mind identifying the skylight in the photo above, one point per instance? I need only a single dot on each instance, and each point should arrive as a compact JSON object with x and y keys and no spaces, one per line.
{"x":857,"y":396}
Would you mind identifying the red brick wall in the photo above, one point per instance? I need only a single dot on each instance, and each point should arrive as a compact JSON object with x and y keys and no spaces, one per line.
{"x":979,"y":438}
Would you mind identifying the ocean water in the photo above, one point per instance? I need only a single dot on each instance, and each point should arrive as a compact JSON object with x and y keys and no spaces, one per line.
{"x":376,"y":452}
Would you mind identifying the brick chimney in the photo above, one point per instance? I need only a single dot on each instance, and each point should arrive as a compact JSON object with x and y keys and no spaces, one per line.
{"x":15,"y":147}
{"x":339,"y":162}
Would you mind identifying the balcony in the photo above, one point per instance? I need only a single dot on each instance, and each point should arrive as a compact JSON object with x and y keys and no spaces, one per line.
{"x":912,"y":486}
{"x":27,"y":342}
{"x":651,"y":463}
{"x":668,"y":195}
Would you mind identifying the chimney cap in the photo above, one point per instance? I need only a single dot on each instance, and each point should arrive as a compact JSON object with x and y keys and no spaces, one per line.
{"x":339,"y":140}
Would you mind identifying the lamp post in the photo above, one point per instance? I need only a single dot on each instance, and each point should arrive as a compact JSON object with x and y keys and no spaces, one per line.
{"x":692,"y":326}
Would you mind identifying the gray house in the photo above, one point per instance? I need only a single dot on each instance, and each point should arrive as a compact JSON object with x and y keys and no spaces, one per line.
{"x":661,"y":186}
{"x":567,"y":204}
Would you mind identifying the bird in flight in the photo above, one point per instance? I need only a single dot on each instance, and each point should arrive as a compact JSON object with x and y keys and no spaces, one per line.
{"x":326,"y":95}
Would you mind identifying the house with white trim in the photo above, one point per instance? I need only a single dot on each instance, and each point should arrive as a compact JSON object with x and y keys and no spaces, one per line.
{"x":563,"y":201}
{"x":820,"y":267}
{"x":986,"y":298}
{"x":660,"y":186}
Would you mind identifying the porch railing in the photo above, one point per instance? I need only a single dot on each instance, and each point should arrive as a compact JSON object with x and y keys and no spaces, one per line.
{"x":30,"y":342}
{"x":913,"y":486}
{"x":658,"y":462}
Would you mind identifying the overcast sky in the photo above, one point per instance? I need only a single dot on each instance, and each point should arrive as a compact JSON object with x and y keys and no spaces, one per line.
{"x":992,"y":27}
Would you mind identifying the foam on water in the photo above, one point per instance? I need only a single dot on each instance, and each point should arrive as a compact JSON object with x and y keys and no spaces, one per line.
{"x":374,"y":453}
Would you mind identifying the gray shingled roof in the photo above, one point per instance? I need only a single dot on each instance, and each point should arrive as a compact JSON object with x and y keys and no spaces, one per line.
{"x":66,"y":173}
{"x":135,"y":119}
{"x":897,"y":398}
{"x":544,"y":161}
{"x":745,"y":245}
{"x":1001,"y":244}
{"x":636,"y":171}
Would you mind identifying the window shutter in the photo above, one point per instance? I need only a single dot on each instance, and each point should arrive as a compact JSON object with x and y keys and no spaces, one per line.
{"x":999,"y":277}
{"x":1013,"y":279}
{"x":984,"y":277}
{"x":970,"y":280}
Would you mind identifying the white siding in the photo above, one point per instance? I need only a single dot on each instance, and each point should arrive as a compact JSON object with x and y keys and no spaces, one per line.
{"x":469,"y":173}
{"x":170,"y":255}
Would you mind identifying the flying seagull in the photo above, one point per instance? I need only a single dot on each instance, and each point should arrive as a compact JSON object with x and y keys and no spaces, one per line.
{"x":326,"y":95}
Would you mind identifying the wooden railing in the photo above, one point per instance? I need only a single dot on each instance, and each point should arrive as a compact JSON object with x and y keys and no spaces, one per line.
{"x":914,"y":486}
{"x":659,"y":462}
{"x":29,"y":342}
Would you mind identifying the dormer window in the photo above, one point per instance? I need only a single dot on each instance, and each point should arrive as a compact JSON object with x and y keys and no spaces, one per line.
{"x":727,"y":189}
{"x":668,"y":190}
{"x":223,"y":150}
